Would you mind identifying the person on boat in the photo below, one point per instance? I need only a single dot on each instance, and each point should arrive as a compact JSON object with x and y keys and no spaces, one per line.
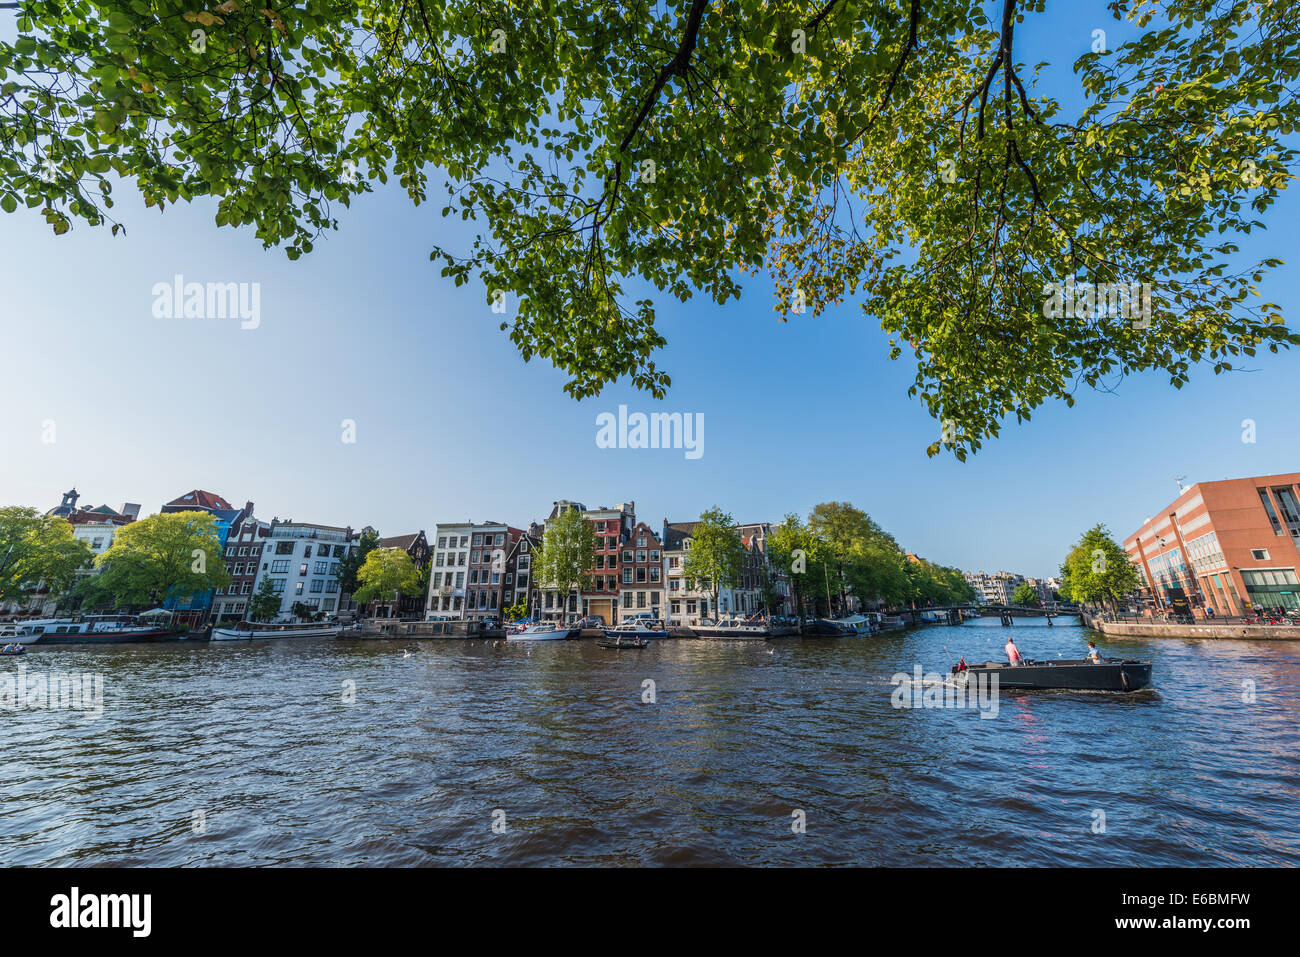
{"x":1093,"y":655}
{"x":962,"y":666}
{"x":1013,"y":653}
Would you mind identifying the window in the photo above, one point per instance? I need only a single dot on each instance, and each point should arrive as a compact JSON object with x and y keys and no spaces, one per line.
{"x":438,"y":560}
{"x":321,"y":568}
{"x":473,"y":576}
{"x":499,"y":540}
{"x":627,"y":576}
{"x":297,"y":590}
{"x":654,"y":573}
{"x":306,"y":551}
{"x":317,"y":585}
{"x":280,"y":566}
{"x":523,"y":562}
{"x":640,"y":599}
{"x":627,"y":599}
{"x":640,"y":541}
{"x":437,"y":579}
{"x":245,"y":588}
{"x":442,"y":542}
{"x":1259,"y":554}
{"x":302,"y":569}
{"x":627,"y":555}
{"x":284,"y":548}
{"x":478,"y":540}
{"x":460,"y":558}
{"x":474,"y":559}
{"x":640,"y":556}
{"x":523,"y":580}
{"x":460,"y":579}
{"x":654,"y":555}
{"x":640,"y":575}
{"x":654,"y":599}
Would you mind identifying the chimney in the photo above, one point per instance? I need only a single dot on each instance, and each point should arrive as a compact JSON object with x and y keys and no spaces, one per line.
{"x":248,"y":509}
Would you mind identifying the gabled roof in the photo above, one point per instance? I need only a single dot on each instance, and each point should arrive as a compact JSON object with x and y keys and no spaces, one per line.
{"x":198,"y":498}
{"x":404,"y":542}
{"x":677,"y":532}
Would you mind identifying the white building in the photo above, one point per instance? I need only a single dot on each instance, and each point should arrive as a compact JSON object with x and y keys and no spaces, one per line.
{"x":450,"y":569}
{"x":301,"y":560}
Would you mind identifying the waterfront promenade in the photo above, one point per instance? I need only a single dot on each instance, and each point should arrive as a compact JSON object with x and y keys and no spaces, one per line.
{"x":1201,"y":628}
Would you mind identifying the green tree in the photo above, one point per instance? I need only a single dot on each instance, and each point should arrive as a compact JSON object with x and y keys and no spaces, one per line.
{"x":716,"y":554}
{"x":36,"y":548}
{"x":1025,"y":594}
{"x":350,"y":564}
{"x":265,"y":603}
{"x":568,"y":553}
{"x":515,"y":612}
{"x":172,"y":555}
{"x":301,"y":611}
{"x":1098,"y":571}
{"x":387,"y":574}
{"x":900,"y":153}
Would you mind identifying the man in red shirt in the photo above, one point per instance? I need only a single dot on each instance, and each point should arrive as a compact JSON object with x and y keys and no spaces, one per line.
{"x":1013,"y":653}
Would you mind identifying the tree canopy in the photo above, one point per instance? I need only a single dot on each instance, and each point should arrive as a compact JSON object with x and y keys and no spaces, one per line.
{"x":568,"y":553}
{"x":172,"y":555}
{"x":1097,"y":570}
{"x":387,"y":572}
{"x":1025,"y":594}
{"x":902,"y":154}
{"x":716,"y":554}
{"x":36,"y":548}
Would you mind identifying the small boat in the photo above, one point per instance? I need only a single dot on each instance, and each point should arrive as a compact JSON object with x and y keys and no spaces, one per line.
{"x":258,"y":630}
{"x":733,"y":628}
{"x":11,"y":652}
{"x":1068,"y":675}
{"x":637,"y":629}
{"x":544,"y":631}
{"x":621,"y":643}
{"x":91,"y":630}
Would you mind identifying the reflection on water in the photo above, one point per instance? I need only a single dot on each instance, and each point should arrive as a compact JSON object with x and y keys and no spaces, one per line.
{"x":249,"y":754}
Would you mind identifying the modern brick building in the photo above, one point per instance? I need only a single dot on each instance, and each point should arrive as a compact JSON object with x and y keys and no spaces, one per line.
{"x":1230,"y":546}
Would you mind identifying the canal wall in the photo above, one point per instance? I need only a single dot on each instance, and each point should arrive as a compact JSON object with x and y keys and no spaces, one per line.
{"x":1160,"y":629}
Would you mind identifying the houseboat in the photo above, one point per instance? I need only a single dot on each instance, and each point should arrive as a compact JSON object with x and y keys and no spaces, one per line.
{"x":258,"y":630}
{"x":636,"y":629}
{"x":90,"y":630}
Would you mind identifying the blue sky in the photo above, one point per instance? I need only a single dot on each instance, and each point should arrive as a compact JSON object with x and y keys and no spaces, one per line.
{"x":451,"y":424}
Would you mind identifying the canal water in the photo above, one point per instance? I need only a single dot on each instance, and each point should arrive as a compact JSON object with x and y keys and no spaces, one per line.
{"x":787,"y":752}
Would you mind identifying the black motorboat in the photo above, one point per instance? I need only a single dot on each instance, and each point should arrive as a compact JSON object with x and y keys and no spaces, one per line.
{"x":621,"y":643}
{"x":1081,"y":675}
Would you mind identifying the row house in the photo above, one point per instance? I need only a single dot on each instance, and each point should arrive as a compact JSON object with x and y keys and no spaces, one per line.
{"x":243,"y":556}
{"x":415,"y":545}
{"x":612,"y":529}
{"x":302,"y":562}
{"x":450,"y":569}
{"x":688,"y":601}
{"x":518,"y":587}
{"x":490,"y":545}
{"x":195,"y":609}
{"x":642,"y":583}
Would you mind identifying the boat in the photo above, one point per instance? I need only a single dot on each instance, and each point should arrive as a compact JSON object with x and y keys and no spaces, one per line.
{"x":258,"y":630}
{"x":733,"y":628}
{"x":637,"y":629}
{"x":825,"y":628}
{"x":90,"y":630}
{"x":544,"y":631}
{"x":621,"y":643}
{"x":1068,"y":675}
{"x":11,"y":652}
{"x":857,"y":624}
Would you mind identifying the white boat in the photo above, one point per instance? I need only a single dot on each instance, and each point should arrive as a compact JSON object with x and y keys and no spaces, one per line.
{"x":544,"y":631}
{"x":257,"y":630}
{"x":733,"y":628}
{"x":637,"y":628}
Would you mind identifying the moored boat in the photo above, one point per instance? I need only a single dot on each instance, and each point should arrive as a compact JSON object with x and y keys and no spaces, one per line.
{"x":91,"y":630}
{"x":857,"y":624}
{"x":258,"y":630}
{"x":638,"y":629}
{"x":825,"y":628}
{"x":733,"y":628}
{"x":1068,"y":675}
{"x":621,"y":643}
{"x":544,"y":631}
